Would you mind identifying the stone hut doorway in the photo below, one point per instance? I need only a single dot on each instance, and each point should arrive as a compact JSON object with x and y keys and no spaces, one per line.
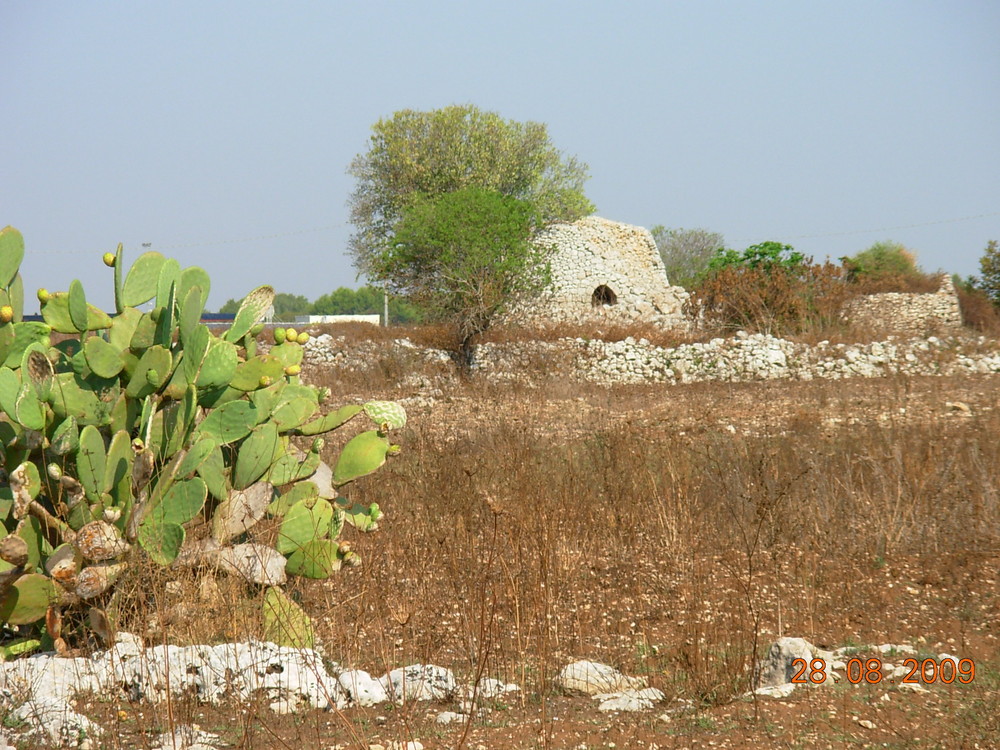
{"x":603,"y":296}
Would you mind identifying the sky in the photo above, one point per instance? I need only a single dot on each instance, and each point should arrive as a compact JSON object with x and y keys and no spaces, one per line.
{"x":219,"y":133}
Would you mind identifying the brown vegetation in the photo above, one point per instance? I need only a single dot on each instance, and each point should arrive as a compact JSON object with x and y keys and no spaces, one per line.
{"x":673,"y":533}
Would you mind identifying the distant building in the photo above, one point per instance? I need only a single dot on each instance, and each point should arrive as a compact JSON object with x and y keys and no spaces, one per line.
{"x":373,"y":319}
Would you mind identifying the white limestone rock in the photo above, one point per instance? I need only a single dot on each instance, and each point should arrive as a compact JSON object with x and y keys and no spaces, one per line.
{"x":185,"y":737}
{"x":776,"y":668}
{"x":420,"y":682}
{"x":54,"y":718}
{"x":775,"y":691}
{"x":254,"y":563}
{"x":630,"y":700}
{"x":209,"y":673}
{"x":362,"y":688}
{"x":594,"y":678}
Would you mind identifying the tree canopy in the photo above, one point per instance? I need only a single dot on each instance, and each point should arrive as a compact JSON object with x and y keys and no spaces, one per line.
{"x":286,"y":306}
{"x":463,"y":256}
{"x":989,"y":268}
{"x":686,"y":253}
{"x":364,"y":301}
{"x":883,"y":259}
{"x":415,"y":155}
{"x":766,"y":256}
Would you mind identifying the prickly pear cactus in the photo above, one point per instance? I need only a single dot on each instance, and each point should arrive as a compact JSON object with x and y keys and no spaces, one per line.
{"x":130,"y":429}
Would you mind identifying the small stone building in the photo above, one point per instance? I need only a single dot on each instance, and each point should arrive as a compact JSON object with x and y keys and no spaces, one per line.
{"x":603,"y":270}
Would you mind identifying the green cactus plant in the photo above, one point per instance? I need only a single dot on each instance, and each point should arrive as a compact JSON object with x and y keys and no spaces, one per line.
{"x":27,"y":599}
{"x":133,"y":429}
{"x":285,"y":623}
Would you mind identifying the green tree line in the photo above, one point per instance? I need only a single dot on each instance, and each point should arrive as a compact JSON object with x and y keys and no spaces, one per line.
{"x":367,"y":300}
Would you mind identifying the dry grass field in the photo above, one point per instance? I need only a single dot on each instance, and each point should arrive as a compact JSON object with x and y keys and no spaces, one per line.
{"x":673,"y":532}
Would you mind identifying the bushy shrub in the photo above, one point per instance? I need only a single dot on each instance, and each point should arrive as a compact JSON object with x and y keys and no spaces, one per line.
{"x":978,"y":310}
{"x":774,"y":300}
{"x":882,"y":260}
{"x":770,"y":288}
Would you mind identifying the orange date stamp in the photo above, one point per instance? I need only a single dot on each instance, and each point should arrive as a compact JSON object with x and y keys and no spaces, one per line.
{"x":917,"y":671}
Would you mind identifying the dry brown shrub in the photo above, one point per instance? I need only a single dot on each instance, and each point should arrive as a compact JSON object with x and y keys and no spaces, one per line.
{"x":913,"y":283}
{"x":775,"y":300}
{"x":978,"y":312}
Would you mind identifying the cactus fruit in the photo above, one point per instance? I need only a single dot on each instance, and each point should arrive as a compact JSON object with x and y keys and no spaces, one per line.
{"x":122,"y":431}
{"x":99,"y":541}
{"x":97,"y":579}
{"x":14,"y":550}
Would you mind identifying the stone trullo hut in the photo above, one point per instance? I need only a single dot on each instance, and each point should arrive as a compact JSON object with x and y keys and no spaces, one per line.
{"x":604,"y":270}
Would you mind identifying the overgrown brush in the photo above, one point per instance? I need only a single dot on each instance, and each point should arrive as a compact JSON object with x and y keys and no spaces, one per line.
{"x":583,"y":546}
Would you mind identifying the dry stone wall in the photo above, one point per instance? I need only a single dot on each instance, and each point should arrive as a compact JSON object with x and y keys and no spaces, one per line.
{"x":741,"y":358}
{"x":603,"y":270}
{"x":908,"y":312}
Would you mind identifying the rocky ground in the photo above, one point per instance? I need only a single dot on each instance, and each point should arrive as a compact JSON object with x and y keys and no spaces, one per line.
{"x":939,"y":608}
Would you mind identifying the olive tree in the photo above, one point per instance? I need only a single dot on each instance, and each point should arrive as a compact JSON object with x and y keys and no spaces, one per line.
{"x":417,"y":155}
{"x":463,"y":256}
{"x":686,"y":253}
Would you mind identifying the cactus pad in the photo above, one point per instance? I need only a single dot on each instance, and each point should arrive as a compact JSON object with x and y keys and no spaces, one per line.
{"x":386,"y":413}
{"x":27,"y":600}
{"x":285,"y":623}
{"x":362,"y":455}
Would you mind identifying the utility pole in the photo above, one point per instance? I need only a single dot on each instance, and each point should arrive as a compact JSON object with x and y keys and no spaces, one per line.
{"x":385,"y":304}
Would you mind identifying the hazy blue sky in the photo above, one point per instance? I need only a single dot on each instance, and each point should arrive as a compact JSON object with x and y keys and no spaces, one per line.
{"x":202,"y":127}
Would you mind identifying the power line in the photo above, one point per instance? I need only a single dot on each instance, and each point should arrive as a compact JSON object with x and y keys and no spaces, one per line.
{"x":329,"y":227}
{"x":891,"y":229}
{"x":208,"y":243}
{"x":255,"y":239}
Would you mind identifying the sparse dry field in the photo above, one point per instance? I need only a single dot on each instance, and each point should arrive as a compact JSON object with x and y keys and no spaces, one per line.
{"x":672,"y":532}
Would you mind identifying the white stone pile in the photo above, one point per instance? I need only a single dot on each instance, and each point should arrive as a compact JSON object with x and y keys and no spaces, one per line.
{"x":741,"y":358}
{"x":41,"y":690}
{"x":334,"y":352}
{"x":750,"y":357}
